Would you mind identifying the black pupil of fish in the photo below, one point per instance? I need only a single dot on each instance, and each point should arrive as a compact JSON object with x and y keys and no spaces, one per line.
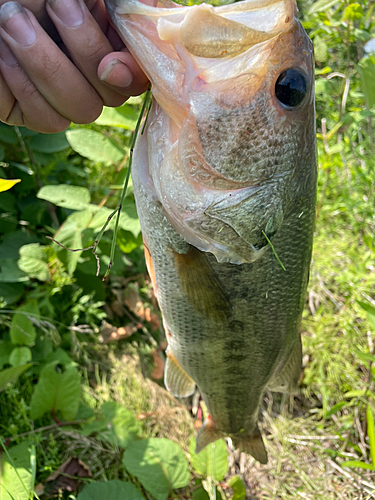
{"x":291,"y":87}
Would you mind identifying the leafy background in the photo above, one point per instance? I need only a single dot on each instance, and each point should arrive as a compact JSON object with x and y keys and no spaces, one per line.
{"x":83,"y":410}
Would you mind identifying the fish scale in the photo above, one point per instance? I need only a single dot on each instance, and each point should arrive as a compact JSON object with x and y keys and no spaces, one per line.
{"x":222,"y":164}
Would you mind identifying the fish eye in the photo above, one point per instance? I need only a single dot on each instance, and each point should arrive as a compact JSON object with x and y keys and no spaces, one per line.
{"x":291,"y":87}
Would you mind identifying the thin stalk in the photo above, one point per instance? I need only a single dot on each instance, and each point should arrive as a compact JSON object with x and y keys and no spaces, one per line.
{"x":274,"y":251}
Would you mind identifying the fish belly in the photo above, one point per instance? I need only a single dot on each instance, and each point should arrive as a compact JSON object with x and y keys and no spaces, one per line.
{"x":231,"y":328}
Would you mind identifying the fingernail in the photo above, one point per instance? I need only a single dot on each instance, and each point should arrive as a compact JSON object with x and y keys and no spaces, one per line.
{"x":6,"y":54}
{"x":117,"y":74}
{"x":14,"y":20}
{"x":68,"y":11}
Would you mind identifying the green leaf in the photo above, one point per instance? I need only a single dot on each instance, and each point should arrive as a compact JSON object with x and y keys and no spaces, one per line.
{"x":11,"y":375}
{"x":370,"y":312}
{"x":11,"y":292}
{"x":13,"y":242}
{"x":321,"y":5}
{"x":2,"y":153}
{"x":352,"y":12}
{"x":5,"y":350}
{"x":17,"y":472}
{"x":113,"y":118}
{"x":63,"y":195}
{"x":49,"y":143}
{"x":159,"y":464}
{"x":320,"y":49}
{"x":335,"y":408}
{"x":212,"y":461}
{"x":371,"y":432}
{"x":366,"y":70}
{"x":111,"y":490}
{"x":10,"y":272}
{"x":122,"y":427}
{"x":128,"y":218}
{"x":365,"y":356}
{"x":200,"y":494}
{"x":20,"y":356}
{"x":94,"y":146}
{"x":127,"y":242}
{"x":58,"y":389}
{"x":8,"y":134}
{"x":22,"y":329}
{"x":238,"y":488}
{"x":357,"y":463}
{"x":34,"y":261}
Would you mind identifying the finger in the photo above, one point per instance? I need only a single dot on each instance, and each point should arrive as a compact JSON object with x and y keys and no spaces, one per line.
{"x":52,"y":73}
{"x":85,"y":42}
{"x":24,"y":106}
{"x":120,"y":70}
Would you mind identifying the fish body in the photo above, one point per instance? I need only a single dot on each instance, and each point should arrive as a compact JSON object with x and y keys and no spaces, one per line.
{"x":226,"y":165}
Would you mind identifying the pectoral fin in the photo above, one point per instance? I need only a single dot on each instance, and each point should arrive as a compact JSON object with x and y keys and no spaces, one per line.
{"x":201,"y":285}
{"x":287,"y":379}
{"x":176,"y":380}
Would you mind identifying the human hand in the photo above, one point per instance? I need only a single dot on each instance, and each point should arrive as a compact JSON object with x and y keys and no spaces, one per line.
{"x":61,"y":61}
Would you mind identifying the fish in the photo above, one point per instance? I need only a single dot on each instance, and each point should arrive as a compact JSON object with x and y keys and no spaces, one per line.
{"x":224,"y":179}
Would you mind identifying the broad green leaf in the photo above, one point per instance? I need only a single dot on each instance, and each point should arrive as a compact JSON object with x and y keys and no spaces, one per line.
{"x":238,"y":488}
{"x":22,"y":329}
{"x":49,"y":143}
{"x":5,"y":350}
{"x":127,"y":242}
{"x":2,"y":152}
{"x":63,"y":195}
{"x":58,"y":389}
{"x":357,"y":463}
{"x":113,"y":118}
{"x":10,"y":272}
{"x":366,"y":70}
{"x":111,"y":490}
{"x":320,"y":49}
{"x":159,"y":464}
{"x":370,"y":312}
{"x":7,"y":134}
{"x":11,"y":375}
{"x":6,"y":184}
{"x":200,"y":494}
{"x":122,"y":427}
{"x":17,"y":472}
{"x":321,"y":5}
{"x":128,"y":218}
{"x":12,"y":242}
{"x":34,"y":262}
{"x":371,"y":432}
{"x":352,"y":12}
{"x":321,"y":86}
{"x":94,"y":146}
{"x":212,"y":461}
{"x":20,"y":356}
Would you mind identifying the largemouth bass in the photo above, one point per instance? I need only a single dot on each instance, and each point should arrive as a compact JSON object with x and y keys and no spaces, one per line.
{"x":225,"y":177}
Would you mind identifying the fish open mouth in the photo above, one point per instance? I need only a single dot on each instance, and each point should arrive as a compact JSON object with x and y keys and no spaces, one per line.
{"x":222,"y":139}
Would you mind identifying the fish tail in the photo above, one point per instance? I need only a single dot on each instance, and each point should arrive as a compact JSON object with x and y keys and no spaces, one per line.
{"x":252,"y":444}
{"x":207,"y":434}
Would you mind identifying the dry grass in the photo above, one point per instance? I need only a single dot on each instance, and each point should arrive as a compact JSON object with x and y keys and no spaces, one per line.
{"x":303,"y":463}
